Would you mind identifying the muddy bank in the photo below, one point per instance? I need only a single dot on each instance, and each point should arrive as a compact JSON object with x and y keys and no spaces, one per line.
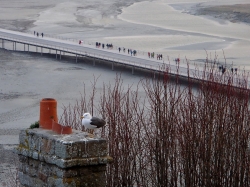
{"x":51,"y":14}
{"x":233,"y":13}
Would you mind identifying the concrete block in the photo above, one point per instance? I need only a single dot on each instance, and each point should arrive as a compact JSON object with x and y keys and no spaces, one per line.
{"x":47,"y":146}
{"x":48,"y":159}
{"x":23,"y":139}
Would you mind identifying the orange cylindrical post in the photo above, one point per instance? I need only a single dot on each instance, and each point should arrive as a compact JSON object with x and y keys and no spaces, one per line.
{"x":48,"y":113}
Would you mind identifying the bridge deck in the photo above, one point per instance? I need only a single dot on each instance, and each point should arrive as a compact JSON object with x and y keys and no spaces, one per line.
{"x":139,"y":61}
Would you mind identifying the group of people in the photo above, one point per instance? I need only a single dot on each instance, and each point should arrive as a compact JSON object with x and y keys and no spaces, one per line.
{"x":152,"y":55}
{"x":98,"y":45}
{"x":159,"y":56}
{"x":132,"y":52}
{"x":110,"y":46}
{"x":234,"y":70}
{"x":37,"y":34}
{"x":223,"y":69}
{"x":121,"y":49}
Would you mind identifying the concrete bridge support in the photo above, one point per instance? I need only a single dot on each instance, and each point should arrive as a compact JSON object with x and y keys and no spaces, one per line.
{"x":3,"y":43}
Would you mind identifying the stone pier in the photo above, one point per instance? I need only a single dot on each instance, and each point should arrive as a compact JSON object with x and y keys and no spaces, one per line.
{"x":49,"y":159}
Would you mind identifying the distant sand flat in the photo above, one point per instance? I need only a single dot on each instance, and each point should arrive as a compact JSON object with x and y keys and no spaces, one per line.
{"x":233,"y":13}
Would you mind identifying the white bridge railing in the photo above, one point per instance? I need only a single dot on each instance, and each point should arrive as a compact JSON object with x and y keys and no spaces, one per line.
{"x":209,"y":74}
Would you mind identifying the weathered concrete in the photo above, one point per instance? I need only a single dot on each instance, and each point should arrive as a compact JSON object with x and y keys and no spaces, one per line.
{"x":49,"y":159}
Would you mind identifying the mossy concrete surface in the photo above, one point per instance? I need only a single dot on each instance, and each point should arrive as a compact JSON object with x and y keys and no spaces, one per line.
{"x":49,"y":159}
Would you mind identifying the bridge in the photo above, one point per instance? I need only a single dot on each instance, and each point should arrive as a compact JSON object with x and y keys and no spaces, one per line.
{"x":59,"y":47}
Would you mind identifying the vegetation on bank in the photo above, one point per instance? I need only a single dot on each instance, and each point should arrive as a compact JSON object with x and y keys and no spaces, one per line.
{"x":175,"y":136}
{"x":34,"y":125}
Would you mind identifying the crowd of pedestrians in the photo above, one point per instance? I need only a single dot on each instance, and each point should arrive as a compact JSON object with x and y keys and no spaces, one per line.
{"x":108,"y":46}
{"x":123,"y":49}
{"x":134,"y":53}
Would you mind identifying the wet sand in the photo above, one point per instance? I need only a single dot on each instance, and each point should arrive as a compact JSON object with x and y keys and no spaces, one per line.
{"x":188,"y":31}
{"x":234,"y":13}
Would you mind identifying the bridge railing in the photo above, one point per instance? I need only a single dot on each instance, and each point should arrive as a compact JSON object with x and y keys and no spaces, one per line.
{"x":192,"y":72}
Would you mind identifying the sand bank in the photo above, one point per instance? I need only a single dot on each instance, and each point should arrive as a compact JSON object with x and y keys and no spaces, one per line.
{"x":228,"y":38}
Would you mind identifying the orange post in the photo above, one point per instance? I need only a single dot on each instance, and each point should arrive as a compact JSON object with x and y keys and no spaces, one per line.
{"x":60,"y":129}
{"x":48,"y":113}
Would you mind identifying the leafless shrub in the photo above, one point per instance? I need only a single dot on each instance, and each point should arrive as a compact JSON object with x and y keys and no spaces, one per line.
{"x":176,"y":135}
{"x":71,"y":115}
